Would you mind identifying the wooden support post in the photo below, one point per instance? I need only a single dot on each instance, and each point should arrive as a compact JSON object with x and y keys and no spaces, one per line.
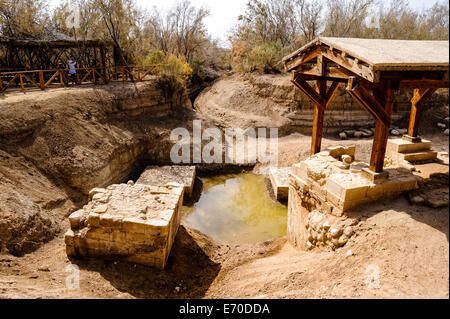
{"x":21,"y":81}
{"x":317,"y":129}
{"x":416,"y":110}
{"x":384,"y":94}
{"x":103,"y":61}
{"x":41,"y":80}
{"x":321,"y":97}
{"x":61,"y":78}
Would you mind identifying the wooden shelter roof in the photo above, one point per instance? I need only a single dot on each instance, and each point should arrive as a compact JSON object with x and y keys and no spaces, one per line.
{"x":53,"y":43}
{"x":373,"y":70}
{"x":368,"y":58}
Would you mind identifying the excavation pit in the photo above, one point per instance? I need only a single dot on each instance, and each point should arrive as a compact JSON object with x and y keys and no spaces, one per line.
{"x":131,"y":222}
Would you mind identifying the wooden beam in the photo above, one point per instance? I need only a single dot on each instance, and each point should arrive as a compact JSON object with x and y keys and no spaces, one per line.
{"x":351,"y":64}
{"x":423,"y":84}
{"x":103,"y":62}
{"x":307,"y":89}
{"x":319,"y":108}
{"x":331,"y":92}
{"x":367,"y":101}
{"x":306,"y":57}
{"x":385,"y":94}
{"x":416,"y":109}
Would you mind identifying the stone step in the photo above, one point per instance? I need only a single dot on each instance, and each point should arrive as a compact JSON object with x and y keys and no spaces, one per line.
{"x":404,"y":146}
{"x":279,"y":178}
{"x":426,"y":156}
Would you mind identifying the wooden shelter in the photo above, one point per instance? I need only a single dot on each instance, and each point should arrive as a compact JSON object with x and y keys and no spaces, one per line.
{"x":34,"y":45}
{"x":373,"y":70}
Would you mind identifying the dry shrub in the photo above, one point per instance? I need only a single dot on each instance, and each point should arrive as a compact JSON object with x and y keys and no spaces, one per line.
{"x":173,"y":72}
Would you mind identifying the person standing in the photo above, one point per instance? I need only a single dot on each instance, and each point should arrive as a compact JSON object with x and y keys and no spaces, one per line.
{"x":72,"y":71}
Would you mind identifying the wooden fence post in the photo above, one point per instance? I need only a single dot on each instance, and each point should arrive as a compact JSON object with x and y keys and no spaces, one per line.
{"x":41,"y":80}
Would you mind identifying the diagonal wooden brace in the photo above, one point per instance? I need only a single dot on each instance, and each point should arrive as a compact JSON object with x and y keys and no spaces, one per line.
{"x":368,"y":102}
{"x":416,"y":110}
{"x":308,"y":90}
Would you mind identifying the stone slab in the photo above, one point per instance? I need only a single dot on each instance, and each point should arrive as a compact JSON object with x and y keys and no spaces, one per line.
{"x":132,"y":222}
{"x":162,"y":175}
{"x":400,"y":145}
{"x":279,"y":179}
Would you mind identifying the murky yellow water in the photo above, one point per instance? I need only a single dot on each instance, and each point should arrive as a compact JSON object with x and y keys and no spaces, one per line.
{"x":236,"y":209}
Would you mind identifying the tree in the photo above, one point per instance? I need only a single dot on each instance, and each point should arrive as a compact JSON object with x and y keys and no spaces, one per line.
{"x":346,"y":18}
{"x":181,"y":32}
{"x":23,"y":18}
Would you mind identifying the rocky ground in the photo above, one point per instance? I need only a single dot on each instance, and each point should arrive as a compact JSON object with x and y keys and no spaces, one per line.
{"x":46,"y":161}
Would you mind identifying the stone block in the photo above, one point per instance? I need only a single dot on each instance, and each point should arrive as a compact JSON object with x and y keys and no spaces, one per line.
{"x":139,"y":224}
{"x":375,"y":177}
{"x":77,"y":219}
{"x":279,"y":179}
{"x":400,"y":145}
{"x":164,"y":175}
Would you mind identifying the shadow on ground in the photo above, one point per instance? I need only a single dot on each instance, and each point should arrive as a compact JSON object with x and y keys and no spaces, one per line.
{"x":436,"y":217}
{"x":189,"y":271}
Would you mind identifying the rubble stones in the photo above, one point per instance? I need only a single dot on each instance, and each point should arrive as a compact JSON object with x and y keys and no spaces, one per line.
{"x":334,"y":232}
{"x":346,"y":159}
{"x":338,"y":151}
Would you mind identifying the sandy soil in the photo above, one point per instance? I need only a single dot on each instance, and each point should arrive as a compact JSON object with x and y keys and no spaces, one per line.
{"x":407,"y":245}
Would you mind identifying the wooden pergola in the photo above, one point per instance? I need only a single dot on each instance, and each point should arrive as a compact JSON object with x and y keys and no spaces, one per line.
{"x":33,"y":44}
{"x":373,"y":70}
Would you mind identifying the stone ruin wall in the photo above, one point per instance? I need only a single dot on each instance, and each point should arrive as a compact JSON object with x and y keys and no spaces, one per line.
{"x":323,"y":191}
{"x":132,"y":222}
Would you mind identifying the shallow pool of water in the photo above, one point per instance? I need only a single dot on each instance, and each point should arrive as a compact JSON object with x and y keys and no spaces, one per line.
{"x":236,"y":209}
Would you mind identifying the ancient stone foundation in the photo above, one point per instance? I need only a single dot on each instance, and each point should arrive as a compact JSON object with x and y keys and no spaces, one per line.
{"x":328,"y":184}
{"x":132,"y":222}
{"x":279,"y":179}
{"x":161,"y":175}
{"x":401,"y":149}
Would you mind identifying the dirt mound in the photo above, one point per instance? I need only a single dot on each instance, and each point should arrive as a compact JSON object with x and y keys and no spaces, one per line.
{"x":273,"y":101}
{"x":58,"y":144}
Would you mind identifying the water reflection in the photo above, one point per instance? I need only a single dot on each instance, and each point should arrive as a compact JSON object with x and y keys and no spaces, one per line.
{"x":236,"y":209}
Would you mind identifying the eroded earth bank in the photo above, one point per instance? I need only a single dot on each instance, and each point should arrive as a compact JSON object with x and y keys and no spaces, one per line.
{"x":58,"y":144}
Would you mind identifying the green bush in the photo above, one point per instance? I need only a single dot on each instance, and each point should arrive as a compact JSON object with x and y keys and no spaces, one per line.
{"x":264,"y":58}
{"x":155,"y":57}
{"x":172,"y":74}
